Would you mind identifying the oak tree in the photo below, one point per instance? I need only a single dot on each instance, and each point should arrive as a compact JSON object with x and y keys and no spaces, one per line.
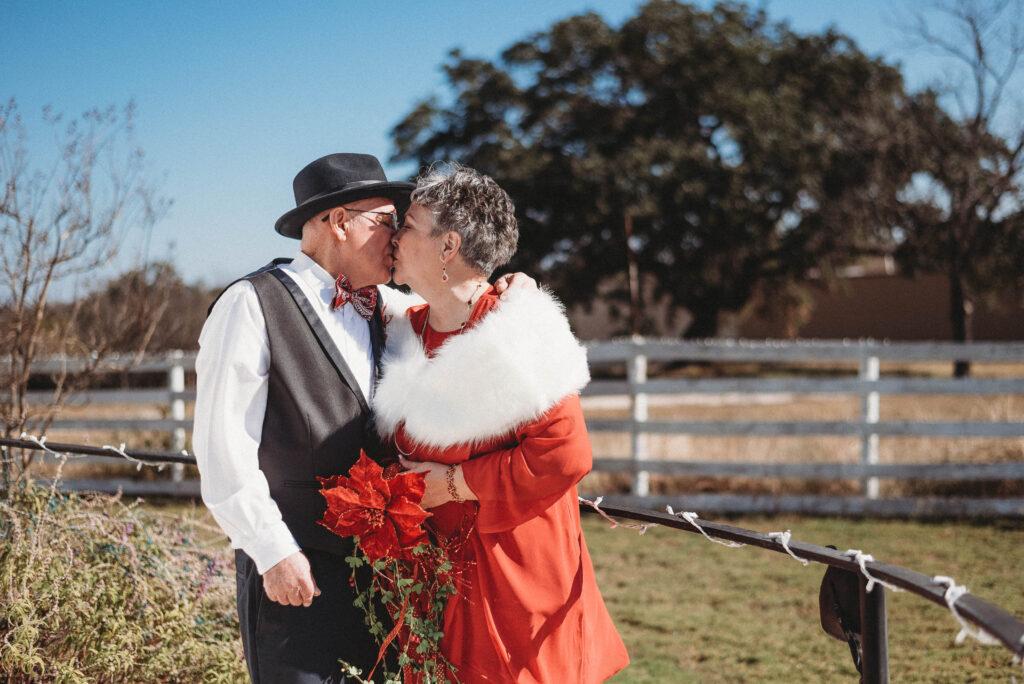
{"x":743,"y":154}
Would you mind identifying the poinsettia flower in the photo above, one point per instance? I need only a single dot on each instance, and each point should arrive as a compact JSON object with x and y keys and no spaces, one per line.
{"x":384,"y":513}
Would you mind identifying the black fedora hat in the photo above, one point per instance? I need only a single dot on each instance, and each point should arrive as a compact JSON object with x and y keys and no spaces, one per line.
{"x":333,"y":180}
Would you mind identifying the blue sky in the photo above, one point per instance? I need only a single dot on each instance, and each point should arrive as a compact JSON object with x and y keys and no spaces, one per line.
{"x":233,"y":98}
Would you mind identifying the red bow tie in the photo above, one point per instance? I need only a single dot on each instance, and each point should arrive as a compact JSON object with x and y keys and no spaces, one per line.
{"x":363,"y":300}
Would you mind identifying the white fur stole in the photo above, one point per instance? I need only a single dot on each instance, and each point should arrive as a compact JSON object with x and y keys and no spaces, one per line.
{"x":516,"y":363}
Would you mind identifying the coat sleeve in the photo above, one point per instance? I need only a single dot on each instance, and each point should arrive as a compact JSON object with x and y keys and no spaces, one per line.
{"x":549,"y":457}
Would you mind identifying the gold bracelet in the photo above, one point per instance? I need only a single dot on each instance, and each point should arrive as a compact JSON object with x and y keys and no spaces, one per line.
{"x":452,"y":491}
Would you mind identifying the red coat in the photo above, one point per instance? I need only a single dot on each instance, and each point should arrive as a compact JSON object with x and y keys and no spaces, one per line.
{"x":528,"y":608}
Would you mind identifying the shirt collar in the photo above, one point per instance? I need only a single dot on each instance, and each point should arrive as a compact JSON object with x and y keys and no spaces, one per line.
{"x":314,"y":275}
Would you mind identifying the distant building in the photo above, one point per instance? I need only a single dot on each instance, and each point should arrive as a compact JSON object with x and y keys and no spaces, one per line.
{"x":869,"y":302}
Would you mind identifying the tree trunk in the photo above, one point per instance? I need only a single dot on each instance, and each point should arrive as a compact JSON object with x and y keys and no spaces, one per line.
{"x":705,"y":322}
{"x":960,"y":316}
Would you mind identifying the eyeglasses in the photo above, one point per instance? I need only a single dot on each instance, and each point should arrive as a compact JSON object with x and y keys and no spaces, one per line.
{"x":393,"y":215}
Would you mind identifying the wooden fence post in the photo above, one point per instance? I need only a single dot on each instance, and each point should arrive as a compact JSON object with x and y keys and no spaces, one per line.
{"x":869,"y":413}
{"x":637,"y":372}
{"x":176,"y":385}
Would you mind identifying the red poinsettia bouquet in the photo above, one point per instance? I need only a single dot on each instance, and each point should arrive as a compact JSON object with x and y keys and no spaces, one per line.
{"x":411,"y":577}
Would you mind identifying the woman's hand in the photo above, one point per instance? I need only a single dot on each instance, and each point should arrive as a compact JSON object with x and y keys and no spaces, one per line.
{"x":436,"y":480}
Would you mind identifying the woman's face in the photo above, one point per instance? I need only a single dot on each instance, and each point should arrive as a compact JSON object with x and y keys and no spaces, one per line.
{"x":417,"y":255}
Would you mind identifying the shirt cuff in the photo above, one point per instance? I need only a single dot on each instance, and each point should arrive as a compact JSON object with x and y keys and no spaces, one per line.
{"x":272,"y":547}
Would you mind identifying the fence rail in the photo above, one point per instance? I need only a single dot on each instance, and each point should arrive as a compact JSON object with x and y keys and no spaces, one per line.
{"x":803,"y":350}
{"x":859,"y":375}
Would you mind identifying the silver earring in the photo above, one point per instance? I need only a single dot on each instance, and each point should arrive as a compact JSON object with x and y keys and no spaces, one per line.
{"x":444,"y":273}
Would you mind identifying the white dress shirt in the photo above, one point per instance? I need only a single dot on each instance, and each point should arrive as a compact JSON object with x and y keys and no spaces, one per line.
{"x":231,"y":398}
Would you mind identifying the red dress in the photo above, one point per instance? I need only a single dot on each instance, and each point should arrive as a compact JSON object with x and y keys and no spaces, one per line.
{"x":528,"y":608}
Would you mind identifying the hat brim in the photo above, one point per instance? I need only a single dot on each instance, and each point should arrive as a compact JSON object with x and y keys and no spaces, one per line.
{"x":290,"y":224}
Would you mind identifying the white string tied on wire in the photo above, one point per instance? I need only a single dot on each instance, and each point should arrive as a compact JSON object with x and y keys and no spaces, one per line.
{"x":70,"y":451}
{"x":40,"y":442}
{"x":119,"y":450}
{"x":1018,"y":658}
{"x":953,"y":593}
{"x":783,"y":538}
{"x":861,"y":559}
{"x":596,"y":505}
{"x":691,"y":517}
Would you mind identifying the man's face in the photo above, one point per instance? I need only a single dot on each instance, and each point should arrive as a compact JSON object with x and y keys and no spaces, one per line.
{"x":368,"y":241}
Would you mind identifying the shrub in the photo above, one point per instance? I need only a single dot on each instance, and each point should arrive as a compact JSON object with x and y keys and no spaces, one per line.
{"x":96,"y":590}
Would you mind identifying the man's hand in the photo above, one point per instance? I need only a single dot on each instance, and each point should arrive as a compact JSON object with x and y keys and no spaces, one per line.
{"x":513,"y":281}
{"x":291,"y":582}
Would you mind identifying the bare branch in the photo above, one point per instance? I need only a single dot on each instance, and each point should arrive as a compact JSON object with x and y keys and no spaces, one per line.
{"x":61,"y":217}
{"x":983,"y":36}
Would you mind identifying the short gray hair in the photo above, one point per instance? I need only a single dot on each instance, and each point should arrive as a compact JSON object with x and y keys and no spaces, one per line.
{"x":474,"y":206}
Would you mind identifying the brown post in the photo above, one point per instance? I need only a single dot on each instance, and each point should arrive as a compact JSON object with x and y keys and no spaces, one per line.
{"x":633,"y":277}
{"x":874,"y":638}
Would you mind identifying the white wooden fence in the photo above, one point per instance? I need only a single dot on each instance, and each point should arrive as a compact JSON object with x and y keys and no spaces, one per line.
{"x":636,"y":354}
{"x":869,"y":385}
{"x":173,"y":398}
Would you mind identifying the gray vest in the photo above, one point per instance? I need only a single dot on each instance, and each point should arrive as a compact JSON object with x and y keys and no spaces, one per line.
{"x":317,"y":418}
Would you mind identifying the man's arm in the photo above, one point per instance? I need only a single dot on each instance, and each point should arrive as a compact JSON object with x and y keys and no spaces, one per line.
{"x":231,"y":397}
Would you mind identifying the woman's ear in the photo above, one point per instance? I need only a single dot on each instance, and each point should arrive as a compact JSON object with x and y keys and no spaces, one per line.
{"x":450,"y":244}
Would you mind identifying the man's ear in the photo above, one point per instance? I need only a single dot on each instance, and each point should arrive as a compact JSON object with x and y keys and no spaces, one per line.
{"x":337,"y":220}
{"x":450,"y":244}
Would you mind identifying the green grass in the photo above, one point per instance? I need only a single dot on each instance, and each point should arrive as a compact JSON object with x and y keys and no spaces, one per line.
{"x":693,"y":611}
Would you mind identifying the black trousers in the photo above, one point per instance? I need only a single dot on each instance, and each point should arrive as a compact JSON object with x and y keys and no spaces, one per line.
{"x":299,"y":645}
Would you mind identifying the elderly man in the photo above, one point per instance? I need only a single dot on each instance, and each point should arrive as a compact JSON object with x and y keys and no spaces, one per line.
{"x":284,"y":375}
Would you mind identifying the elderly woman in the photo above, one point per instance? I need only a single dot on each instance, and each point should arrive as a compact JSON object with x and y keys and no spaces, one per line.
{"x":482,"y":398}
